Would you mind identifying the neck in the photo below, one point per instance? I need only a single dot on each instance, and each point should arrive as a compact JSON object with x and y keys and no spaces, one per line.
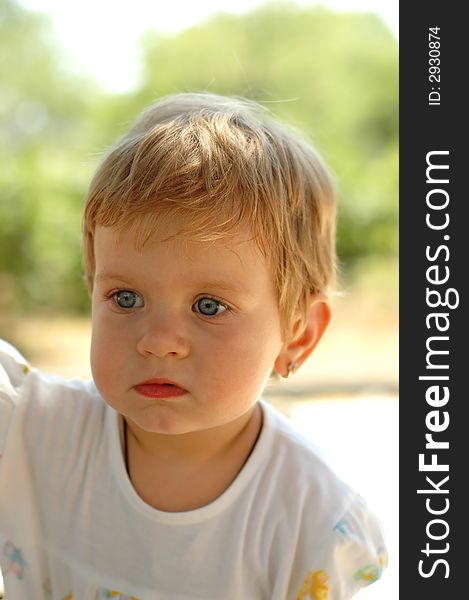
{"x":188,"y":476}
{"x":198,"y":446}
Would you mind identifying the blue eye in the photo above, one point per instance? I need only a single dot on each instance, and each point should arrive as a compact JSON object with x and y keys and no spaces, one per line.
{"x":128,"y":299}
{"x":210,"y":307}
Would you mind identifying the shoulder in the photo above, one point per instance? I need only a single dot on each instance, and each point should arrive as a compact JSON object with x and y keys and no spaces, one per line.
{"x":301,"y":468}
{"x":334,"y":538}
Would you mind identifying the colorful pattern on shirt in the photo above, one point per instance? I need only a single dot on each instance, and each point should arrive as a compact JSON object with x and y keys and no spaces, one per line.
{"x":372,"y":572}
{"x":344,"y":527}
{"x":314,"y":586}
{"x":14,"y":560}
{"x":116,"y":595}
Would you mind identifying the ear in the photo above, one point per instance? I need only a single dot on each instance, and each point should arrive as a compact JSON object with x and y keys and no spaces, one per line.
{"x":301,"y":343}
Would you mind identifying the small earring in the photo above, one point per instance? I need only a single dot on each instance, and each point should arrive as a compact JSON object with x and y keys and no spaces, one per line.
{"x":291,"y":368}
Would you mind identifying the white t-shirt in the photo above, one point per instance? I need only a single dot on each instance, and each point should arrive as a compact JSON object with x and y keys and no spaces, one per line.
{"x":73,"y":527}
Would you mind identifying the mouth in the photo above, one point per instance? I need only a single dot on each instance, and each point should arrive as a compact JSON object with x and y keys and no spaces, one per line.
{"x":159,"y":388}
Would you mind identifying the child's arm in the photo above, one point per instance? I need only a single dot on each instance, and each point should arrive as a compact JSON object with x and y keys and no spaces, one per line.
{"x":13,"y":370}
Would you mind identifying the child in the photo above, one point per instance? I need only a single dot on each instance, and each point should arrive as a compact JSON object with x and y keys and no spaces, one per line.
{"x":209,"y":253}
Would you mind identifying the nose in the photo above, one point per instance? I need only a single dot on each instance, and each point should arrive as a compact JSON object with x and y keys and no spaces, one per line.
{"x":163,"y":337}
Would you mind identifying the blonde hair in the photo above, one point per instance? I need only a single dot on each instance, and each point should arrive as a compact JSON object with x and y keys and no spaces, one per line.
{"x":222,"y":162}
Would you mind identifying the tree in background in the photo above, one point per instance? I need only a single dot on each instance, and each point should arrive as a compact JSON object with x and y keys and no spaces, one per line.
{"x":43,"y":143}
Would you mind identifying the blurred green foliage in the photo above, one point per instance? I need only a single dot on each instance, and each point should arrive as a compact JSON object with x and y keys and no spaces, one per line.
{"x":334,"y":76}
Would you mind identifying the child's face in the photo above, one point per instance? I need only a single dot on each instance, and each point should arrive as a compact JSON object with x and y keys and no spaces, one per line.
{"x":202,"y":315}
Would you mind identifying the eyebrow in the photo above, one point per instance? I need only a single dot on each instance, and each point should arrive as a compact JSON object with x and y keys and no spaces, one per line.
{"x":218,"y":284}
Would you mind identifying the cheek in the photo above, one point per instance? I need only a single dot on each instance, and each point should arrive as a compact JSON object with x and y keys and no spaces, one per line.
{"x":243,"y":353}
{"x":99,"y":359}
{"x":106,"y":356}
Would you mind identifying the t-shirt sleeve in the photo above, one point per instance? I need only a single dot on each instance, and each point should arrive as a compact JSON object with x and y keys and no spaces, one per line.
{"x":13,"y":371}
{"x":351,"y":557}
{"x":360,"y":555}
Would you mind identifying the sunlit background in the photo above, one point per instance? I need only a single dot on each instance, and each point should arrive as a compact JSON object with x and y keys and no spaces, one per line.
{"x":72,"y":77}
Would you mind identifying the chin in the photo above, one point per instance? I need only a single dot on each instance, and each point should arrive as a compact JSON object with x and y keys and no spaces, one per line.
{"x":161,"y":424}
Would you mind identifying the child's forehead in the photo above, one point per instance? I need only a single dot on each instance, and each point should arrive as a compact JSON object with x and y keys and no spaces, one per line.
{"x":176,"y":235}
{"x":118,"y":245}
{"x":234,"y":264}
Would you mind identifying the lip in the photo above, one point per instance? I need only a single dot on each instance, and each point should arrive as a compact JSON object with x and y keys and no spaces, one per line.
{"x":159,"y":388}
